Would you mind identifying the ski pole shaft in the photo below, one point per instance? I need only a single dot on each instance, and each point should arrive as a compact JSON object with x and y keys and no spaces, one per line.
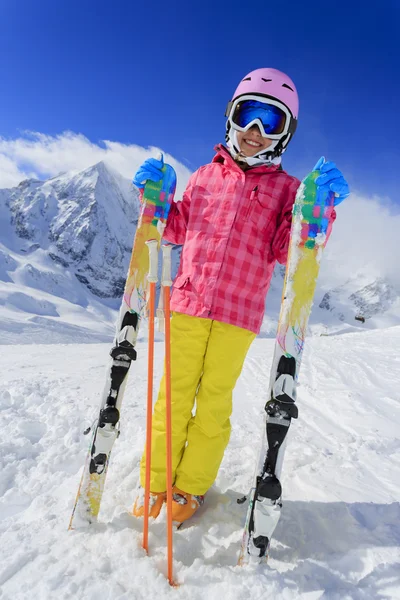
{"x":152,"y":279}
{"x":166,"y":282}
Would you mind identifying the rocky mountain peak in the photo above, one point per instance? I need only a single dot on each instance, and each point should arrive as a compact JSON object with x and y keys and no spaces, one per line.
{"x":85,"y":220}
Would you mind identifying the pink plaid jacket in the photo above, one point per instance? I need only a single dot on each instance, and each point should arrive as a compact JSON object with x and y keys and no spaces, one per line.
{"x":234,"y":226}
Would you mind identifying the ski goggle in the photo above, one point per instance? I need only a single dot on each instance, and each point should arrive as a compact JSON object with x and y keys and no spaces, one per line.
{"x":273,"y":118}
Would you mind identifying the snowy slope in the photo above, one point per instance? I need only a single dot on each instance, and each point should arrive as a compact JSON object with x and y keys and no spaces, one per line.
{"x":339,"y":536}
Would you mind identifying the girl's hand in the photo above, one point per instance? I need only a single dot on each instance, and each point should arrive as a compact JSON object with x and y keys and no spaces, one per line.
{"x":150,"y":169}
{"x":331,"y":179}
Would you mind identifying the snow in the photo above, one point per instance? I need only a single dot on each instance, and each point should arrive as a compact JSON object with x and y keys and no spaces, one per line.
{"x":339,"y":535}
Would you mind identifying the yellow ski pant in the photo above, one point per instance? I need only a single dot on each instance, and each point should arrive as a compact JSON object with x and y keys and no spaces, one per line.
{"x":206,"y":360}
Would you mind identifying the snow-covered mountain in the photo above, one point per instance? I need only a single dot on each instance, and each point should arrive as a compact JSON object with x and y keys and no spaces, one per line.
{"x":64,"y":251}
{"x":83,"y":222}
{"x":362,"y":297}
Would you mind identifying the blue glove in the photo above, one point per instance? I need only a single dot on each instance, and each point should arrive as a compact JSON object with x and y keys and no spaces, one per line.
{"x":150,"y":169}
{"x":331,"y":179}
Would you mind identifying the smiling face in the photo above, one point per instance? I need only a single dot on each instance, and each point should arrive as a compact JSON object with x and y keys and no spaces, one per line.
{"x":251,"y":141}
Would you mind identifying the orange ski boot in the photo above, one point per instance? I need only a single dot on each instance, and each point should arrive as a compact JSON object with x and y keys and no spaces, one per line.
{"x":184,"y":505}
{"x":157,"y":499}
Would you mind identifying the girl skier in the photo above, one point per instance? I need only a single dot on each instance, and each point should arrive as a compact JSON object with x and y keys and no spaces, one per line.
{"x":234,"y":224}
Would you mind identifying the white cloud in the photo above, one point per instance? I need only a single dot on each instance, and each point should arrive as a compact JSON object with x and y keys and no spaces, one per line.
{"x":10,"y":173}
{"x":39,"y":155}
{"x":365,"y":239}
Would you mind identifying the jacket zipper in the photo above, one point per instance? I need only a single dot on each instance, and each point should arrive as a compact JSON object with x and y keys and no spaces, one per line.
{"x":252,"y":197}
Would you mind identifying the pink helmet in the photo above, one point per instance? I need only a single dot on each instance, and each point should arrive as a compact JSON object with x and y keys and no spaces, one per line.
{"x":268,"y":83}
{"x":273,"y":83}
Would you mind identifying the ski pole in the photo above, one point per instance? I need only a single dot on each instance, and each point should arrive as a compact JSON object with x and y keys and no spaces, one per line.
{"x":166,"y":282}
{"x":152,"y":279}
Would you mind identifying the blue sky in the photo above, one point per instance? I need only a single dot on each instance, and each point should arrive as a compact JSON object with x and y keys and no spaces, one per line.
{"x":159,"y":73}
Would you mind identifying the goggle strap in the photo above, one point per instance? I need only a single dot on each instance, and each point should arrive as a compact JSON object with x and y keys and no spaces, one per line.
{"x":292,"y":126}
{"x":229,"y":108}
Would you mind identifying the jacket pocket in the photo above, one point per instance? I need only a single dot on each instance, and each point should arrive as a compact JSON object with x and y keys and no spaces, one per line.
{"x":181,"y":281}
{"x":262,"y":214}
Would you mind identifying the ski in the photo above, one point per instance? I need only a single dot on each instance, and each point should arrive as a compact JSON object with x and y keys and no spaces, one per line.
{"x":311,"y":215}
{"x":156,"y":202}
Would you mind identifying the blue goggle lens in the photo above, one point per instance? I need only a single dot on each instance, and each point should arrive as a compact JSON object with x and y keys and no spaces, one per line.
{"x":273,"y":119}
